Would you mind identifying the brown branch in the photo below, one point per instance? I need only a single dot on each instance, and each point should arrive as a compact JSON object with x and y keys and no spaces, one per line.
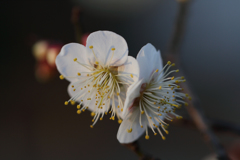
{"x":194,"y":107}
{"x":134,"y":147}
{"x":76,"y":12}
{"x":216,"y":125}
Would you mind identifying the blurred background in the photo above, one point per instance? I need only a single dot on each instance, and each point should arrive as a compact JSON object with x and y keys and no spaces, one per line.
{"x":35,"y":123}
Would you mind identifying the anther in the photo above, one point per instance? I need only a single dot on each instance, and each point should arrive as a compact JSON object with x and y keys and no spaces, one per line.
{"x":147,"y":137}
{"x":129,"y":130}
{"x":91,"y":126}
{"x":166,"y":132}
{"x":75,"y":59}
{"x":78,"y":111}
{"x":168,"y":62}
{"x":72,"y":102}
{"x":66,"y":102}
{"x":173,"y":64}
{"x":156,"y":70}
{"x":92,"y":114}
{"x":163,"y":137}
{"x":117,"y":93}
{"x":79,"y":74}
{"x":155,"y":134}
{"x":91,"y":47}
{"x":172,"y":78}
{"x":113,"y":49}
{"x":72,"y":86}
{"x":142,"y":112}
{"x":186,"y":104}
{"x":78,"y":106}
{"x":119,"y":121}
{"x":61,"y":77}
{"x":160,"y":87}
{"x":101,"y":119}
{"x":177,"y":70}
{"x":74,"y":89}
{"x":141,"y":126}
{"x":131,"y":75}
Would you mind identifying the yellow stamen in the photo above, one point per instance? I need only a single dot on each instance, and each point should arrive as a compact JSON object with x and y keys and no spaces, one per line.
{"x":119,"y":121}
{"x":147,"y":137}
{"x":61,"y":77}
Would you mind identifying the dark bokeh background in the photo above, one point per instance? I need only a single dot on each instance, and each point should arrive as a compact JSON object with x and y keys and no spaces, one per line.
{"x":36,"y":125}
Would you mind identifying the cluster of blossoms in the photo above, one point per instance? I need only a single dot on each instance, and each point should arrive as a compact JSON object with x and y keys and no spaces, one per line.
{"x":104,"y":79}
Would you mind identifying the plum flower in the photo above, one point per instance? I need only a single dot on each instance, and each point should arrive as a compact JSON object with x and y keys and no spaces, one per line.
{"x":152,"y":99}
{"x":99,"y":74}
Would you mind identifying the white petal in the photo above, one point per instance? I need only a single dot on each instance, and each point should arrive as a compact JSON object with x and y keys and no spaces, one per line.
{"x":129,"y":67}
{"x":103,"y":42}
{"x":65,"y":64}
{"x":123,"y":136}
{"x":132,"y":93}
{"x":149,"y":60}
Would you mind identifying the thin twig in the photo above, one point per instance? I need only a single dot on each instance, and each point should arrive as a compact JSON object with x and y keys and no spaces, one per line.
{"x":216,"y":125}
{"x":194,"y":107}
{"x":76,"y":11}
{"x":134,"y":147}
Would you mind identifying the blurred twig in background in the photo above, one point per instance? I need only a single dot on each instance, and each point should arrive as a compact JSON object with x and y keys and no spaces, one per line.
{"x":194,"y":107}
{"x":135,"y":147}
{"x":76,"y":13}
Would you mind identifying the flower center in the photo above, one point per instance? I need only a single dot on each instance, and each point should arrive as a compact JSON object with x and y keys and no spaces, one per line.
{"x":99,"y":88}
{"x":158,"y":100}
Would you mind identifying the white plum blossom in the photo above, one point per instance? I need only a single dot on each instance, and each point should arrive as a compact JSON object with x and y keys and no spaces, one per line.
{"x":99,"y":74}
{"x":152,"y":99}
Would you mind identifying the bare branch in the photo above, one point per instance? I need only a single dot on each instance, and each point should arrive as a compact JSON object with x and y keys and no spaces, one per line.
{"x":194,"y":107}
